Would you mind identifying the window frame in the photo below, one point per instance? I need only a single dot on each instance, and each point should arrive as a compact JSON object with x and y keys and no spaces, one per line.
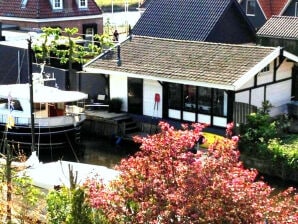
{"x":254,"y":7}
{"x":265,"y":69}
{"x":57,"y":4}
{"x":82,"y":3}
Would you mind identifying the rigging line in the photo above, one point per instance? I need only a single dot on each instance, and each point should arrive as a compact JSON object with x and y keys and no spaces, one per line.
{"x":38,"y":142}
{"x":72,"y":149}
{"x":21,"y":65}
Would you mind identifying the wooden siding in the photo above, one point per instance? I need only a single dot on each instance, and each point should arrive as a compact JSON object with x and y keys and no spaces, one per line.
{"x":241,"y":110}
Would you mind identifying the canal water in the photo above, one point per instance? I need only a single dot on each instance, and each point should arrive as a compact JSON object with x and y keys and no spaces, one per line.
{"x":105,"y":152}
{"x":108,"y":153}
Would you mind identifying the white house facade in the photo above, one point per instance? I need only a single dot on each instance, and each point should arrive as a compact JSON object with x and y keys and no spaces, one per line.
{"x":193,"y":81}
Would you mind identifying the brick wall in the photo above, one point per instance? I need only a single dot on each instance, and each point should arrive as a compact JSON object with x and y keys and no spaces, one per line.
{"x":23,"y":25}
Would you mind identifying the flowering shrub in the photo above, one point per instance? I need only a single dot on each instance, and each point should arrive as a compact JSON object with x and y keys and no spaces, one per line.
{"x":165,"y":183}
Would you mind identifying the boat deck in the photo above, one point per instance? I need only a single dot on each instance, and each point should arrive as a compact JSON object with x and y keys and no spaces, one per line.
{"x":57,"y":173}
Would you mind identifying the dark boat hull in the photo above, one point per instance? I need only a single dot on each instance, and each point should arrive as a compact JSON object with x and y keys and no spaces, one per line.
{"x":48,"y":141}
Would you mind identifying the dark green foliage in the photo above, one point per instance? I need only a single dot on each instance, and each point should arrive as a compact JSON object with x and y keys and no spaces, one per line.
{"x":256,"y":134}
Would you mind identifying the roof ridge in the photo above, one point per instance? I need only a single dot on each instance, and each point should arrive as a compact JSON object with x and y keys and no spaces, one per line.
{"x":205,"y":43}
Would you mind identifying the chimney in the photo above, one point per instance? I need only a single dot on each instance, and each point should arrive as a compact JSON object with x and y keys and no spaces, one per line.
{"x":118,"y":56}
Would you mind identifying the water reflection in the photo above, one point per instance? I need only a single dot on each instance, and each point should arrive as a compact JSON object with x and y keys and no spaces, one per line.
{"x":105,"y":152}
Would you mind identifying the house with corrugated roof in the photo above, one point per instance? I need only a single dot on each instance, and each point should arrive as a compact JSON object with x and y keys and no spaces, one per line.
{"x":220,"y":21}
{"x":280,"y":31}
{"x":259,"y":11}
{"x":31,"y":15}
{"x":194,"y":81}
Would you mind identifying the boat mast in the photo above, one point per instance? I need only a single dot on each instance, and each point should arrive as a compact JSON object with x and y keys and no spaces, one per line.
{"x":31,"y":93}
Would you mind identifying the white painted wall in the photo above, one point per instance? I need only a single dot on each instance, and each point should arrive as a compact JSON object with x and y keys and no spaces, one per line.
{"x":150,"y":88}
{"x":285,"y":70}
{"x":118,"y":89}
{"x":279,"y":95}
{"x":189,"y":116}
{"x":265,"y":77}
{"x":242,"y":97}
{"x":174,"y":114}
{"x":203,"y":118}
{"x":220,"y":121}
{"x":257,"y":97}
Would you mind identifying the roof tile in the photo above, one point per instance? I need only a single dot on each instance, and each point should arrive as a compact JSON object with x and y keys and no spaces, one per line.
{"x":220,"y":64}
{"x":39,"y":9}
{"x":280,"y":26}
{"x":182,"y":20}
{"x":272,"y":7}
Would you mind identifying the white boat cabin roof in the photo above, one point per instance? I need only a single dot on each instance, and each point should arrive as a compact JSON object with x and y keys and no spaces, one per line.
{"x":41,"y":93}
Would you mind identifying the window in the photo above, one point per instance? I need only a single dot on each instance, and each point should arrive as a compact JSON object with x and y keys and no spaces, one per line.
{"x":57,"y":4}
{"x":175,"y":96}
{"x":82,"y":3}
{"x":266,"y":69}
{"x":24,"y":3}
{"x":189,"y":95}
{"x":204,"y":100}
{"x":296,"y":9}
{"x":219,"y":98}
{"x":250,"y":7}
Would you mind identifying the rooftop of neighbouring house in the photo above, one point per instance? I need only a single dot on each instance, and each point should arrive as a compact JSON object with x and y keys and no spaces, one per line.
{"x":272,"y":7}
{"x":184,"y":20}
{"x":40,"y":9}
{"x":280,"y":27}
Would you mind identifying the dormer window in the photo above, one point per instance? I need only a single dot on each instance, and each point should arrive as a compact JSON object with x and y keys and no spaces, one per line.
{"x":266,"y":69}
{"x":24,"y":3}
{"x":57,"y":4}
{"x":250,"y":7}
{"x":82,"y":3}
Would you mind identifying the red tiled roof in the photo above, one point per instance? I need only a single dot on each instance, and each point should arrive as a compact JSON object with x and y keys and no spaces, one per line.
{"x":272,"y":7}
{"x":39,"y":9}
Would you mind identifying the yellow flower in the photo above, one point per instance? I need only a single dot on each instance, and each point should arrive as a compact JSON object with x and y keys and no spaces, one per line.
{"x":10,"y":121}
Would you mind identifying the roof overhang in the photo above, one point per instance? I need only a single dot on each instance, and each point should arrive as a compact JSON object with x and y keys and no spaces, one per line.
{"x":285,"y":7}
{"x":161,"y":79}
{"x":259,"y":66}
{"x":291,"y":56}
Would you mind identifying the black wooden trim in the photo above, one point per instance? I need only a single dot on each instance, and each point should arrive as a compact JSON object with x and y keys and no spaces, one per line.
{"x":256,"y":80}
{"x":212,"y":108}
{"x":165,"y":100}
{"x":275,"y":67}
{"x":181,"y":103}
{"x":262,"y":85}
{"x":231,"y":99}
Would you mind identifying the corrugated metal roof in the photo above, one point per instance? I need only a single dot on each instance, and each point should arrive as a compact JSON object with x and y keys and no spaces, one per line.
{"x":280,"y":26}
{"x":182,"y":20}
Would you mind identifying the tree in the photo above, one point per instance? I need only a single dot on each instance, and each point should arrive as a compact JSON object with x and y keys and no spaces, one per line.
{"x":64,"y":45}
{"x":165,"y":183}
